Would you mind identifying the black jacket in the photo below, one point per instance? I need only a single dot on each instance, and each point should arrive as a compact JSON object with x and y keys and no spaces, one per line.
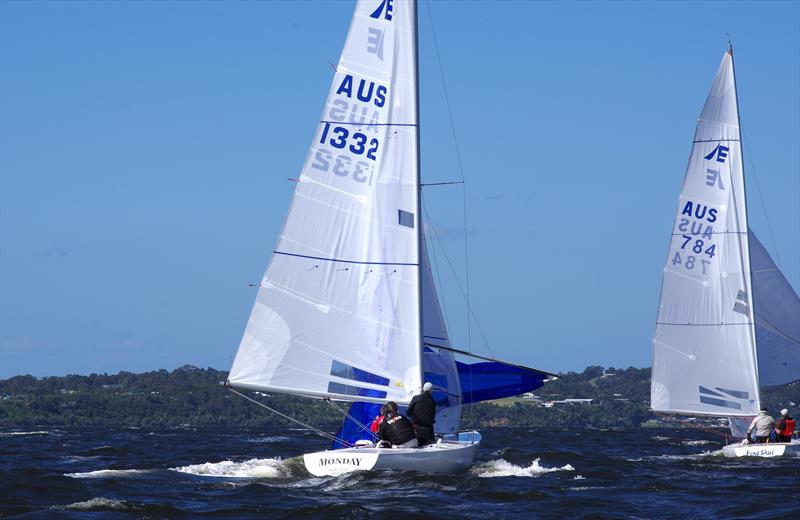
{"x":422,"y":409}
{"x":396,"y":429}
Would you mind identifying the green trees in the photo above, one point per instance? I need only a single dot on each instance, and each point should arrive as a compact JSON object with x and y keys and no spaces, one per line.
{"x":193,"y":397}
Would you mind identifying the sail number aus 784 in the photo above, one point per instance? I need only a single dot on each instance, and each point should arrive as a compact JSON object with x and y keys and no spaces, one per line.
{"x":339,"y":137}
{"x":697,"y":246}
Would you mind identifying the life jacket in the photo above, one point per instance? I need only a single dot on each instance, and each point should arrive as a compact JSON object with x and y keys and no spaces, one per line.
{"x":376,"y":424}
{"x":788,"y":427}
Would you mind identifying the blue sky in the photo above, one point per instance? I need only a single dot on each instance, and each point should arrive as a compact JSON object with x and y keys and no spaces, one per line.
{"x":145,"y":147}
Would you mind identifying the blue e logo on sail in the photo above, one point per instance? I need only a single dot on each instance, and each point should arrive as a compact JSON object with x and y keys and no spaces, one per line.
{"x":385,"y":8}
{"x":721,"y":152}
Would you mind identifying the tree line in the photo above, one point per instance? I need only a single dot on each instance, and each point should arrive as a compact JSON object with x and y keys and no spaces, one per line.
{"x":193,"y":397}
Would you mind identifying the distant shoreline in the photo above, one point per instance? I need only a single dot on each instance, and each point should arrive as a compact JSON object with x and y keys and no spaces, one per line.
{"x":597,"y":398}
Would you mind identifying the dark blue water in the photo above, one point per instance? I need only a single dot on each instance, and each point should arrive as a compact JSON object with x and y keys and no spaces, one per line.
{"x":521,"y":473}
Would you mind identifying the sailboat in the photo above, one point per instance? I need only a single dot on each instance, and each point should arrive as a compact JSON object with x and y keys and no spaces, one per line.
{"x":728,"y":320}
{"x":347,"y":309}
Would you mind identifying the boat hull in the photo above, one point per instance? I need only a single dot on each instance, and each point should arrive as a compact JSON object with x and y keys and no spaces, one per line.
{"x":764,"y":450}
{"x":454,"y":454}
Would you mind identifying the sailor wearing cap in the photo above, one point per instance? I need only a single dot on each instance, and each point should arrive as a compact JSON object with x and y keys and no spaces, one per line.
{"x":422,"y":411}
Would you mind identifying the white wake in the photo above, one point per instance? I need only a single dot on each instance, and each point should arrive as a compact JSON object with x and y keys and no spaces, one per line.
{"x":253,"y":468}
{"x":503,"y":468}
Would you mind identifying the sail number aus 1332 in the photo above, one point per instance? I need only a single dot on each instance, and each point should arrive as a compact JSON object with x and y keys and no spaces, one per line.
{"x":339,"y":137}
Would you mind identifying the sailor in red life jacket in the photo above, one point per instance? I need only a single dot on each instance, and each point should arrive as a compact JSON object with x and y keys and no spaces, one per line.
{"x":396,"y":429}
{"x":784,"y":426}
{"x":376,"y":423}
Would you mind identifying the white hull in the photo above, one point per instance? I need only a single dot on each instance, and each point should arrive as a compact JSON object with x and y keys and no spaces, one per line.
{"x":766,"y":450}
{"x":454,"y":454}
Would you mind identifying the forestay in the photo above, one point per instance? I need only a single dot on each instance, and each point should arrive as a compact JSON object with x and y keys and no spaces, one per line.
{"x":704,"y":357}
{"x":337,"y":312}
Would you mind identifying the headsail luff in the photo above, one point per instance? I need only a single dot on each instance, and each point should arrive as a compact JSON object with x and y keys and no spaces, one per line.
{"x":337,"y":314}
{"x":704,"y":352}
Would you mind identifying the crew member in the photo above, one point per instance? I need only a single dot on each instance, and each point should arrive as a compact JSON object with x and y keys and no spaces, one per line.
{"x":396,"y":429}
{"x":784,"y":426}
{"x":762,"y":424}
{"x":422,"y":411}
{"x":376,"y":423}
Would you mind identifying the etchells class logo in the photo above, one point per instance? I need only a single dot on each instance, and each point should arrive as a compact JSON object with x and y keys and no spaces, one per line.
{"x":713,"y":177}
{"x":385,"y":10}
{"x":720,"y":152}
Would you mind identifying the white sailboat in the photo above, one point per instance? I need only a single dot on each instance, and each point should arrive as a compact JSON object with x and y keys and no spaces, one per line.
{"x":347,"y":309}
{"x":728,"y":321}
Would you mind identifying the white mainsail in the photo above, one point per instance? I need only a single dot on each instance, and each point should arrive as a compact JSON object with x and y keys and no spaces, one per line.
{"x":338,"y":310}
{"x":704,"y":350}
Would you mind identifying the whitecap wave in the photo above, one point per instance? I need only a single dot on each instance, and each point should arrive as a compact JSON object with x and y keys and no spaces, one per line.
{"x":253,"y":468}
{"x":503,"y":468}
{"x":697,"y":443}
{"x":98,"y":504}
{"x":108,"y":473}
{"x":659,"y":438}
{"x":578,"y":477}
{"x":11,"y":434}
{"x":269,"y":439}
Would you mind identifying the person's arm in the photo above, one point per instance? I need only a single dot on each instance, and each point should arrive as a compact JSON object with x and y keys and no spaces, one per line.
{"x":411,"y":406}
{"x":752,"y":425}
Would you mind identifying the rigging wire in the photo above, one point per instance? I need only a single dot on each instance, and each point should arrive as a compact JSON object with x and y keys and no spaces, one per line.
{"x":292,"y":419}
{"x":458,"y":283}
{"x":353,"y":419}
{"x":761,"y":198}
{"x":783,"y":294}
{"x":460,"y":168}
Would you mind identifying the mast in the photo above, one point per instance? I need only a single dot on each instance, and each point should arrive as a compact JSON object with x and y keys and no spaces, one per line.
{"x":749,"y":274}
{"x":419,"y":193}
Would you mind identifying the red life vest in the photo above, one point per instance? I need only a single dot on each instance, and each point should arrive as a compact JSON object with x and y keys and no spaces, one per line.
{"x":376,"y":424}
{"x":788,"y":427}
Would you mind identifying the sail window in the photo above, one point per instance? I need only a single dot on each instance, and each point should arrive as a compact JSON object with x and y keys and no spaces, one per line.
{"x":338,"y":388}
{"x":406,"y":219}
{"x":344,"y":371}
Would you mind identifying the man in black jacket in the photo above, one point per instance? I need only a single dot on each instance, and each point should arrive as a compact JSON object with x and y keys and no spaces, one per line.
{"x":422,"y":411}
{"x":397,"y":429}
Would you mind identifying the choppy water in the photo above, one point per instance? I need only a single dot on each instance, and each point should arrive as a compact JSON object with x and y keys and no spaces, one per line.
{"x":521,"y":473}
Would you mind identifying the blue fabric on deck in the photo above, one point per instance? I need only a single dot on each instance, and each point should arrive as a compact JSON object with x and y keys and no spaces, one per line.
{"x":486,"y":381}
{"x":351,"y":432}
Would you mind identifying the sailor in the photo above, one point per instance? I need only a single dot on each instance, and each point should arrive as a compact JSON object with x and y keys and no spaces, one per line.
{"x":376,"y":423}
{"x":784,"y":427}
{"x":762,"y":424}
{"x":396,"y":429}
{"x":422,"y":411}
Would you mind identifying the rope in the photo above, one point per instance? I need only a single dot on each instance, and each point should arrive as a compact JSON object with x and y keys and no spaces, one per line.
{"x":347,"y":414}
{"x":292,"y":419}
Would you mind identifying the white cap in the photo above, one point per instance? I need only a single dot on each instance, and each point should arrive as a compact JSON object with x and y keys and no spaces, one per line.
{"x":427,"y":387}
{"x":784,"y":412}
